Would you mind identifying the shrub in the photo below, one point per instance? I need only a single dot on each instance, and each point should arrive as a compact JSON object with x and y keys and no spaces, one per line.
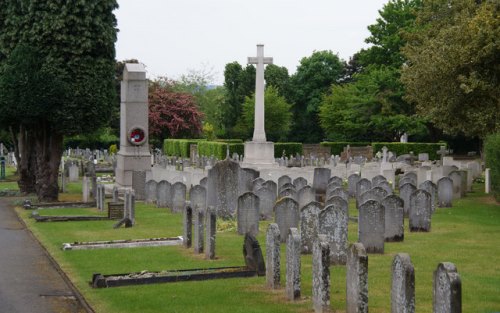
{"x":113,"y":149}
{"x":405,"y":148}
{"x":338,"y":146}
{"x":219,"y":149}
{"x":179,"y":147}
{"x":291,"y":148}
{"x":492,"y":159}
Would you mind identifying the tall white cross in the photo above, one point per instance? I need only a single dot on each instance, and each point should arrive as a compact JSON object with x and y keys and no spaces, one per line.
{"x":259,"y":133}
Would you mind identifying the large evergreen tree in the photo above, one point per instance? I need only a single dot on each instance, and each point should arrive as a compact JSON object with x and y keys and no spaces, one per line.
{"x":69,"y":46}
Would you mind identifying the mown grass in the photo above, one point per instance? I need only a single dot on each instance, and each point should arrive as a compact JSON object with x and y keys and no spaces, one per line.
{"x":467,"y":235}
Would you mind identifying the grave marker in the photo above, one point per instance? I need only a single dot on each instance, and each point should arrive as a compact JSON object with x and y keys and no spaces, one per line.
{"x":321,"y":275}
{"x":293,"y":264}
{"x":273,"y":274}
{"x":247,"y":214}
{"x":357,"y":279}
{"x":371,"y":226}
{"x":309,"y":225}
{"x":403,"y":284}
{"x":333,"y":223}
{"x":447,"y":293}
{"x":394,"y":218}
{"x":286,"y":215}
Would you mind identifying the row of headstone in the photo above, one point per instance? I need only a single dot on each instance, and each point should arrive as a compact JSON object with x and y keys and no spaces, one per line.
{"x":202,"y":225}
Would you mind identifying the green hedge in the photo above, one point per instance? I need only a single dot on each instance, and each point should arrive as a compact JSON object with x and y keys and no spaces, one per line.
{"x":291,"y":148}
{"x":338,"y":146}
{"x":492,"y":159}
{"x":405,"y":148}
{"x":83,"y":143}
{"x":179,"y":147}
{"x":218,"y":149}
{"x":229,"y":140}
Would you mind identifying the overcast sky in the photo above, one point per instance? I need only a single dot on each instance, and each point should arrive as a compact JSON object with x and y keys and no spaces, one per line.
{"x":172,"y":37}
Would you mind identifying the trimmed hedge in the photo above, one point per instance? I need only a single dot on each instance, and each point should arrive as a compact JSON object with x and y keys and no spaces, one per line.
{"x":179,"y":147}
{"x":492,"y":159}
{"x":337,"y":147}
{"x":229,"y":140}
{"x":405,"y":148}
{"x":218,"y":149}
{"x":291,"y":148}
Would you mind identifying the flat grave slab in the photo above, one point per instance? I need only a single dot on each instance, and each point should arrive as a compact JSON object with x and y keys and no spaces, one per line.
{"x":127,"y":243}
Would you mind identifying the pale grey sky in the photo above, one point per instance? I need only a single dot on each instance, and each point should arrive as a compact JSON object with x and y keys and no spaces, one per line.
{"x":173,"y":36}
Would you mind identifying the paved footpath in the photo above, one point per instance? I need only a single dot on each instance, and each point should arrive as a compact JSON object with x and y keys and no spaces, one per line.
{"x":28,"y":280}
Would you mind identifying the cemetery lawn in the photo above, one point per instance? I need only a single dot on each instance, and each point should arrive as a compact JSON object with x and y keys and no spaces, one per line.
{"x":467,"y":235}
{"x":10,"y":182}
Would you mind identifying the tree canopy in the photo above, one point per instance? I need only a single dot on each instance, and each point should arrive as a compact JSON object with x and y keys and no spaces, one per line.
{"x":453,"y":69}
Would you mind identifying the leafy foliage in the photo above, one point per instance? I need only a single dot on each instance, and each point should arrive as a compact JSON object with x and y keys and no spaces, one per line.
{"x":172,"y":114}
{"x":452,"y":73}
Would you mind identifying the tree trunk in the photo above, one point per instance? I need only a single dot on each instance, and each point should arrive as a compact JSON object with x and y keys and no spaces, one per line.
{"x":49,"y":149}
{"x":26,"y":164}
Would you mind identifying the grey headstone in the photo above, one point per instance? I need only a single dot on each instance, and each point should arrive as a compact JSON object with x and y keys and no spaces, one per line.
{"x":129,"y":206}
{"x":377,"y":180}
{"x":139,"y":184}
{"x":352,"y":181}
{"x":306,"y":195}
{"x":321,"y":275}
{"x":431,"y":188}
{"x":406,"y":180}
{"x":333,"y":222}
{"x":445,"y":192}
{"x":309,"y":226}
{"x":371,"y":226}
{"x":257,"y":183}
{"x":286,"y":215}
{"x":376,"y":194}
{"x":187,"y":221}
{"x":272,"y":186}
{"x":405,"y":192}
{"x":210,"y":232}
{"x":198,"y":228}
{"x":150,"y":189}
{"x":164,"y":194}
{"x":320,"y":181}
{"x":283,"y":180}
{"x":267,"y":199}
{"x":287,"y":186}
{"x":394,"y":218}
{"x":362,"y":186}
{"x":403,"y":284}
{"x":178,"y":197}
{"x":273,"y":259}
{"x":456,"y":177}
{"x":338,"y":192}
{"x":465,"y":183}
{"x":293,"y":264}
{"x":288,"y":192}
{"x":447,"y":292}
{"x":357,"y":279}
{"x":198,"y":197}
{"x":248,"y":214}
{"x":246,"y":178}
{"x":222,"y":187}
{"x":253,"y":255}
{"x":386,"y":186}
{"x":420,"y":211}
{"x":299,"y":183}
{"x":115,"y":194}
{"x":412,"y":176}
{"x":203,"y":182}
{"x":336,"y":180}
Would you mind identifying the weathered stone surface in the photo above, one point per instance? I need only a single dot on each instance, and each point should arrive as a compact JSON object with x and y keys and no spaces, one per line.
{"x":286,"y":215}
{"x":386,"y":186}
{"x":445,"y":192}
{"x":431,"y":188}
{"x":403,"y":284}
{"x":357,"y":279}
{"x":412,"y":176}
{"x":405,"y":192}
{"x":321,"y":275}
{"x":405,"y":180}
{"x":293,"y":264}
{"x":338,"y":192}
{"x":287,"y":186}
{"x":257,"y":183}
{"x":164,"y":194}
{"x":456,"y":177}
{"x":210,"y":232}
{"x":333,"y":223}
{"x":178,"y":197}
{"x":267,"y":199}
{"x":375,"y":193}
{"x":447,"y":292}
{"x":320,"y":181}
{"x":198,"y":228}
{"x":253,"y":255}
{"x":299,"y":183}
{"x":271,"y":186}
{"x":203,"y":182}
{"x":246,"y":176}
{"x":309,"y":226}
{"x":394,"y":218}
{"x":129,"y":206}
{"x":288,"y":192}
{"x":139,"y":184}
{"x":284,"y":180}
{"x":198,"y":197}
{"x":187,"y":222}
{"x":115,"y":194}
{"x":273,"y":258}
{"x":420,"y":211}
{"x":371,"y":226}
{"x":151,"y":186}
{"x":248,"y":215}
{"x":352,"y":181}
{"x":222,"y":187}
{"x":306,"y":195}
{"x":336,"y":181}
{"x":362,"y":186}
{"x":376,"y":180}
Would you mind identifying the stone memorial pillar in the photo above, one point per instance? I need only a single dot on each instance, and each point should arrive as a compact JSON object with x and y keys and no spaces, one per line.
{"x":134,"y":149}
